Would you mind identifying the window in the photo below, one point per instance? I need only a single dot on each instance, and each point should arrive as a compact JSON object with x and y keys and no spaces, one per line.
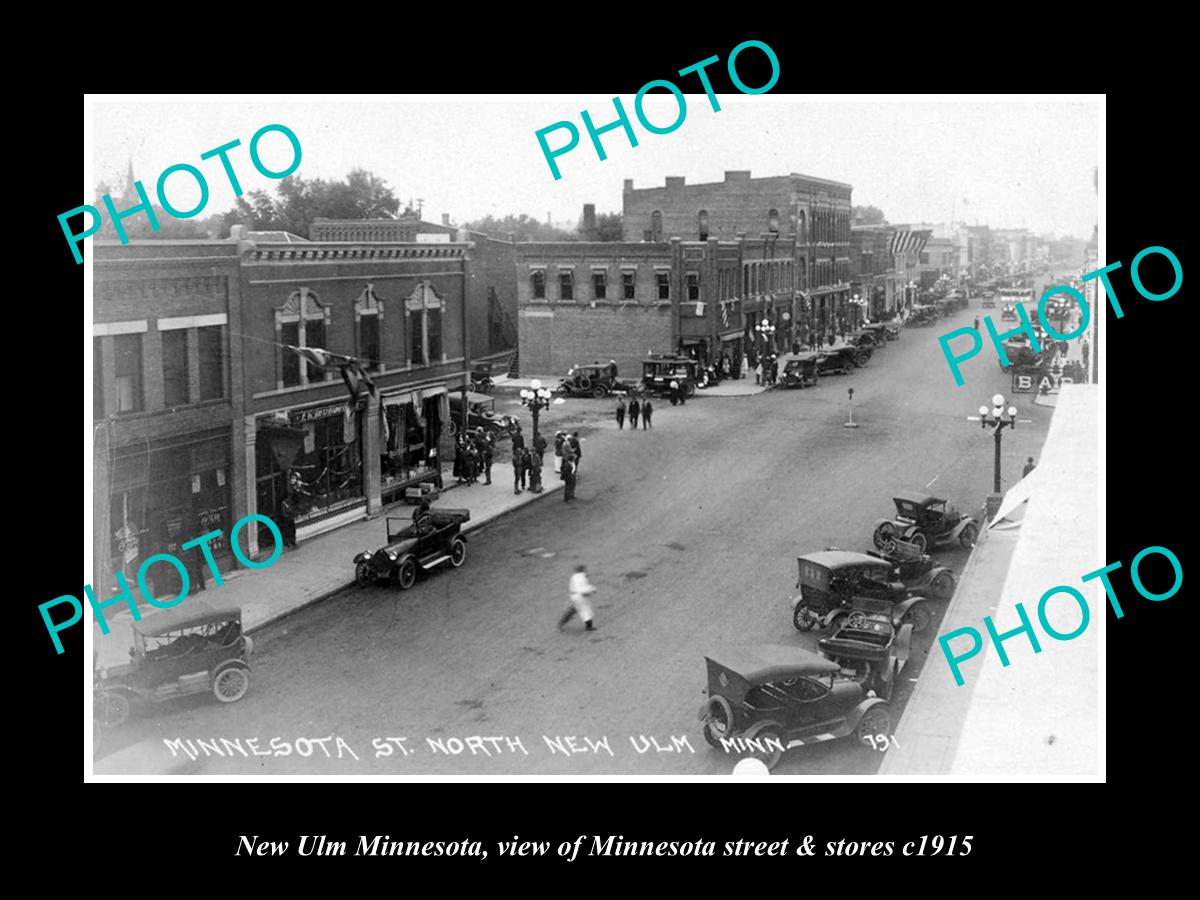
{"x":300,"y":323}
{"x":97,"y":378}
{"x":600,"y":285}
{"x":925,"y":258}
{"x":628,"y":285}
{"x":175,"y":367}
{"x":656,"y":229}
{"x":693,"y":285}
{"x":210,"y":347}
{"x":663,"y":281}
{"x":566,"y":285}
{"x":538,"y":280}
{"x":368,"y":314}
{"x":423,"y":309}
{"x":773,"y":221}
{"x":702,"y":224}
{"x":127,"y":363}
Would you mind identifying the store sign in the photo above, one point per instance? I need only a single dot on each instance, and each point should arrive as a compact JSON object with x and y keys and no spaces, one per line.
{"x":1038,"y":383}
{"x":300,"y":416}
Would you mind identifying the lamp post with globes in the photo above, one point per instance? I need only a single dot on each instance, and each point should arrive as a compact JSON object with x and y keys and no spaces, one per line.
{"x":998,"y":418}
{"x":767,"y":330}
{"x":536,"y":398}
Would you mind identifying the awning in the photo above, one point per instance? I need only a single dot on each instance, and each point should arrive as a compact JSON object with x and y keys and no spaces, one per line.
{"x":399,"y":399}
{"x":732,"y":335}
{"x":473,"y":397}
{"x":433,"y":392}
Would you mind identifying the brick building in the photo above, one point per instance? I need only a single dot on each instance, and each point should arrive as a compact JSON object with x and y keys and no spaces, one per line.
{"x":873,"y":273}
{"x":584,"y":301}
{"x":811,"y":214}
{"x":167,"y":400}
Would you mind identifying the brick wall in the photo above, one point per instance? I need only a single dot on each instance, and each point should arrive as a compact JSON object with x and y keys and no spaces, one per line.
{"x":554,"y":338}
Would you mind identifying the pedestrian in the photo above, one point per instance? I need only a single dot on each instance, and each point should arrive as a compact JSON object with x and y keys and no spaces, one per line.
{"x":620,"y":413}
{"x":758,"y":372}
{"x":579,"y":589}
{"x":539,"y":447}
{"x":819,"y":337}
{"x":470,"y":461}
{"x":576,"y":449}
{"x":568,"y":477}
{"x":774,"y":369}
{"x":518,"y":439}
{"x":558,"y":452}
{"x":519,"y":464}
{"x":1084,"y":350}
{"x":977,"y":323}
{"x":459,"y":456}
{"x":485,"y":443}
{"x":287,"y":520}
{"x":634,"y":410}
{"x":647,"y":411}
{"x":533,"y":463}
{"x":1029,"y":467}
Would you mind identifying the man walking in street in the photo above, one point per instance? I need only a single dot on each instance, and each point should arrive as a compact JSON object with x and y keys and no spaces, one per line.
{"x":634,"y":409}
{"x":977,"y":323}
{"x":579,"y":589}
{"x":647,"y":411}
{"x":620,"y":413}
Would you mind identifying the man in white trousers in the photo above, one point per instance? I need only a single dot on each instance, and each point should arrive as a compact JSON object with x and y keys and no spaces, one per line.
{"x":579,"y":589}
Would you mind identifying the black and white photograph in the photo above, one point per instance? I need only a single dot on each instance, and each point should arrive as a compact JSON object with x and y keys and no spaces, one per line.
{"x":697,"y":433}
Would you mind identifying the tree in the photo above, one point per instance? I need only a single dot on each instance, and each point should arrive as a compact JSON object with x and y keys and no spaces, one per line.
{"x":867,"y":215}
{"x":609,"y":227}
{"x":524,"y":228}
{"x":297,"y":202}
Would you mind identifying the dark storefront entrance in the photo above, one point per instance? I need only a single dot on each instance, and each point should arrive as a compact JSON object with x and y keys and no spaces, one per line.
{"x":411,"y":428}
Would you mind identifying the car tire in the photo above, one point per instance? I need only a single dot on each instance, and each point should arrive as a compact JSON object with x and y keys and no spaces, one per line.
{"x":862,"y":359}
{"x":883,"y":534}
{"x":710,"y":737}
{"x":363,"y":574}
{"x":801,"y":618}
{"x":919,"y":541}
{"x":406,"y":575}
{"x":452,"y":428}
{"x":458,"y":552}
{"x":967,"y":536}
{"x":719,"y":711}
{"x":942,"y":585}
{"x":110,"y":709}
{"x":230,"y":684}
{"x":767,"y":732}
{"x":599,"y":392}
{"x":876,"y":720}
{"x":918,"y":616}
{"x":584,"y":383}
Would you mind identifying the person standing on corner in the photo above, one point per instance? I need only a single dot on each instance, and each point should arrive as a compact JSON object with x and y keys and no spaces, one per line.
{"x":558,"y":452}
{"x":579,"y":589}
{"x":620,"y":413}
{"x":634,"y":410}
{"x":1030,"y":465}
{"x":647,"y":411}
{"x":539,"y":448}
{"x":519,"y":467}
{"x":568,"y":475}
{"x":576,"y":450}
{"x":533,"y":463}
{"x":287,"y":520}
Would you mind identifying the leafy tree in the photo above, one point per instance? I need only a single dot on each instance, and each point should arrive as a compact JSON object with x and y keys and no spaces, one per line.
{"x":609,"y":227}
{"x":867,"y":215}
{"x":522,"y":227}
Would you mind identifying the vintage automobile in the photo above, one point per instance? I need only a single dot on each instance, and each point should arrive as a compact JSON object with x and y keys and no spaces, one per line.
{"x":1021,"y":354}
{"x":800,"y":370}
{"x":593,"y":380}
{"x":917,"y":570}
{"x":831,"y":581}
{"x":873,"y":641}
{"x":481,"y":377}
{"x":838,"y":360}
{"x":988,"y":301}
{"x":481,"y":413}
{"x":660,"y":370}
{"x":889,"y":332}
{"x":1008,"y":312}
{"x":429,"y":539}
{"x":925,"y":521}
{"x":923,"y":315}
{"x":764,"y":700}
{"x":188,"y":649}
{"x":866,"y":340}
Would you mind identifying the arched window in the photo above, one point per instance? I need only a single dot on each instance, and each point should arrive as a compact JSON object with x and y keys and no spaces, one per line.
{"x":702,"y":224}
{"x":368,"y":328}
{"x":801,"y":227}
{"x":301,"y":322}
{"x":656,"y":229}
{"x":423,"y":315}
{"x":773,"y":221}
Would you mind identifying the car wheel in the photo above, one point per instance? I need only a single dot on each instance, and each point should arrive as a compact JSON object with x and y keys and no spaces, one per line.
{"x":713,"y":740}
{"x":406,"y":575}
{"x":883,"y":534}
{"x":968,"y":535}
{"x":110,"y":709}
{"x":363,"y":574}
{"x":862,"y":359}
{"x":720,"y":720}
{"x":802,"y":619}
{"x":918,"y":616}
{"x":584,"y":383}
{"x":919,"y":540}
{"x":458,"y":552}
{"x":942,"y":585}
{"x":875,"y":721}
{"x":231,"y":684}
{"x":771,"y":739}
{"x":599,"y":392}
{"x":452,"y":428}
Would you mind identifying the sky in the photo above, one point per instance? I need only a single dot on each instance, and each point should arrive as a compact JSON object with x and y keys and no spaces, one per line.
{"x":1008,"y":164}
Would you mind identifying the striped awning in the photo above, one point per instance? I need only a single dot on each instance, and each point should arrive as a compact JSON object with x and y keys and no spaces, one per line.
{"x":909,"y":242}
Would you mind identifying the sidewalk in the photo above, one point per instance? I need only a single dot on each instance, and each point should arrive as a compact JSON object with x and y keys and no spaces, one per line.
{"x":323,"y":565}
{"x":731,"y":387}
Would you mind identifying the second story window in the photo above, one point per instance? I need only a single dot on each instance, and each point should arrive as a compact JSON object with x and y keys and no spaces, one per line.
{"x":175,"y":367}
{"x":210,"y":348}
{"x":629,"y":285}
{"x":301,"y":322}
{"x":566,"y":285}
{"x":368,"y":314}
{"x":662,"y":281}
{"x":538,"y":280}
{"x":600,"y":285}
{"x":97,"y":378}
{"x":693,"y":286}
{"x":127,"y":365}
{"x":423,"y":309}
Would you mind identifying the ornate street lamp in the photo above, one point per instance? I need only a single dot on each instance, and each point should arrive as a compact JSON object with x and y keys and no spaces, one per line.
{"x":536,"y":398}
{"x":995,"y":417}
{"x":767,"y":331}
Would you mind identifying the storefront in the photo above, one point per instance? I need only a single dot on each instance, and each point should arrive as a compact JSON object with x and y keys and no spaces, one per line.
{"x":163,"y":494}
{"x":317,"y":450}
{"x":412,"y":425}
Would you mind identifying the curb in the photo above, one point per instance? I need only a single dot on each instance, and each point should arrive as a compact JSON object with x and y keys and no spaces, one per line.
{"x":325,"y":595}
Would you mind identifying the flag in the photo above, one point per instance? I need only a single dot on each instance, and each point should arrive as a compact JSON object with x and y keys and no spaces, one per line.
{"x":352,"y":370}
{"x":725,"y":314}
{"x":321,"y":358}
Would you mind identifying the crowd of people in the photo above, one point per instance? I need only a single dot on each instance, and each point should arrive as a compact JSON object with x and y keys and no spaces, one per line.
{"x":633,"y":410}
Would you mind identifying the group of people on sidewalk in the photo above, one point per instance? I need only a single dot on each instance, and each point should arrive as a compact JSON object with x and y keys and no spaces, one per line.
{"x":527,"y":462}
{"x":567,"y":454}
{"x":633,"y":410}
{"x":473,"y":455}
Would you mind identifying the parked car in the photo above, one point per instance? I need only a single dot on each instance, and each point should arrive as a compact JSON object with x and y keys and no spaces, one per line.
{"x":481,"y":413}
{"x":1009,"y":312}
{"x":888,"y":332}
{"x":988,"y":301}
{"x":917,"y":570}
{"x":873,"y":641}
{"x":839,"y":360}
{"x":481,"y":377}
{"x":659,"y":371}
{"x":766,"y":699}
{"x":831,"y":581}
{"x":866,"y":340}
{"x":800,"y":370}
{"x":925,"y":521}
{"x":592,"y":380}
{"x":430,"y":538}
{"x":188,"y":649}
{"x":922,"y":316}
